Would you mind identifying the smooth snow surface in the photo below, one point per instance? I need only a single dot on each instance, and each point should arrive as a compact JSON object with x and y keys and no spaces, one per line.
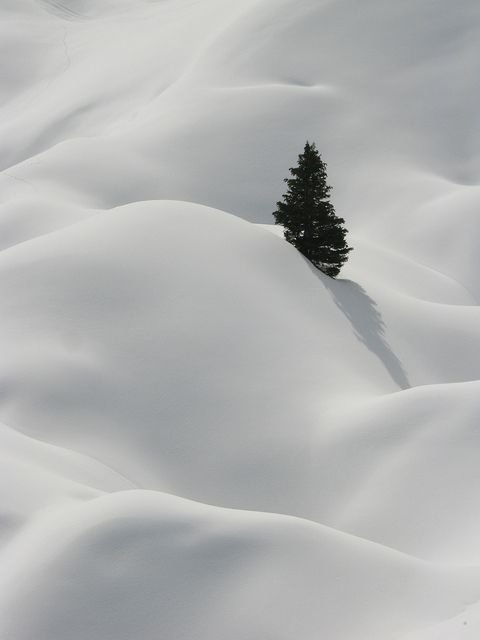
{"x":201,"y":436}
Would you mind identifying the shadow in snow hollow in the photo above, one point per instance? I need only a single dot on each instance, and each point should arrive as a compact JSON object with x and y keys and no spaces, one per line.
{"x":367,"y":323}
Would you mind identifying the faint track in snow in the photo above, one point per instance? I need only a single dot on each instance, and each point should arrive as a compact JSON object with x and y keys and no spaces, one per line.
{"x":59,"y":9}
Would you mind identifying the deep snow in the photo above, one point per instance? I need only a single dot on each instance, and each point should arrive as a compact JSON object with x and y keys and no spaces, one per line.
{"x":201,"y":435}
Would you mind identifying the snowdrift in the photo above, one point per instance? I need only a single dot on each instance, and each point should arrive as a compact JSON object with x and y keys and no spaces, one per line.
{"x":201,"y":435}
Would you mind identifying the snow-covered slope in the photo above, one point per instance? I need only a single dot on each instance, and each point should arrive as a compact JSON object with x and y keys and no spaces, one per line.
{"x":201,"y":435}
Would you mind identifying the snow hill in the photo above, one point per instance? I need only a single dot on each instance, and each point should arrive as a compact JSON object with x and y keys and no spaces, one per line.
{"x":202,"y":437}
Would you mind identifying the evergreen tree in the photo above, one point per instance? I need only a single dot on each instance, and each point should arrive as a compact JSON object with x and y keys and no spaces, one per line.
{"x":309,"y":218}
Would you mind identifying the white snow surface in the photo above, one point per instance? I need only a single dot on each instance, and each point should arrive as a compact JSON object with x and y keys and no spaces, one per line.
{"x":202,"y":437}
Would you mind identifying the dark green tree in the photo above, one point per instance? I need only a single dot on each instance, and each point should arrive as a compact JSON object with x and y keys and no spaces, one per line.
{"x":309,"y":218}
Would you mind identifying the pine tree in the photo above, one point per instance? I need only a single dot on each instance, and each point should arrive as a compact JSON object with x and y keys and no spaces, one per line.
{"x":309,"y":218}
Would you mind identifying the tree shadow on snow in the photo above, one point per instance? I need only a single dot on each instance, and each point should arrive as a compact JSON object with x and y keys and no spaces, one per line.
{"x":367,"y":323}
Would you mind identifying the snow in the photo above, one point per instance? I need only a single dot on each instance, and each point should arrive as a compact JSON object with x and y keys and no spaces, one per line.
{"x":200,"y":434}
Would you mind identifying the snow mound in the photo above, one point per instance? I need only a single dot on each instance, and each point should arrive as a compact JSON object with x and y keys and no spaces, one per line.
{"x":181,"y":566}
